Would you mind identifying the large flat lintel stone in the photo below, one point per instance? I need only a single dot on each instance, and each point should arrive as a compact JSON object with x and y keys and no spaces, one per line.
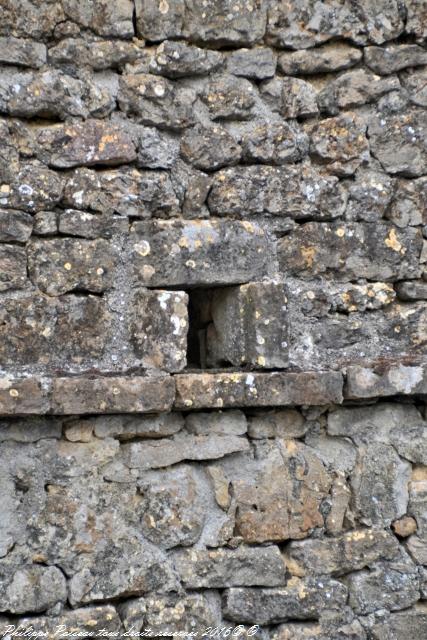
{"x":24,"y":396}
{"x":373,"y":382}
{"x":126,"y":394}
{"x":216,"y":390}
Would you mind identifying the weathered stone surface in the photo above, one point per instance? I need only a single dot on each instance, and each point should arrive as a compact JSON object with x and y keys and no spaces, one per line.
{"x":221,"y":568}
{"x":281,"y":423}
{"x":15,"y":226}
{"x":380,"y":485}
{"x":204,"y":390}
{"x":417,"y":543}
{"x":344,"y":553}
{"x":31,"y":588}
{"x":289,"y":99}
{"x":22,"y":52}
{"x":13,"y":267}
{"x":93,"y":142}
{"x":215,"y":23}
{"x":353,"y":89}
{"x":177,"y":60}
{"x":412,"y":290}
{"x":369,"y":197}
{"x":229,"y":98}
{"x":404,"y":527}
{"x":387,"y":585}
{"x":174,"y":506}
{"x":231,"y":422}
{"x":337,"y":454}
{"x":163,"y":452}
{"x":299,"y":600}
{"x":98,"y":54}
{"x":249,"y":326}
{"x":209,"y":148}
{"x":415,"y":84}
{"x":386,"y":423}
{"x":23,"y":396}
{"x":363,"y":382}
{"x":30,"y":430}
{"x":128,"y":192}
{"x":46,"y":332}
{"x":34,"y":188}
{"x":73,"y":222}
{"x":198,"y":253}
{"x":326,"y":59}
{"x":300,"y":25}
{"x":258,"y":63}
{"x":112,"y":395}
{"x":408,"y":207}
{"x":159,"y":327}
{"x":398,"y":142}
{"x":351,"y":250}
{"x":339,"y":144}
{"x":172,"y":614}
{"x":126,"y":427}
{"x":61,"y":265}
{"x":275,"y":143}
{"x":156,"y":101}
{"x":88,"y":620}
{"x":279,"y":493}
{"x":298,"y":192}
{"x":45,"y":223}
{"x":412,"y":623}
{"x":394,"y":58}
{"x":51,"y":94}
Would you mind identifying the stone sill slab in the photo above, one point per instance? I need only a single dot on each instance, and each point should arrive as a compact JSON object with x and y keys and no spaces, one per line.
{"x":187,"y":391}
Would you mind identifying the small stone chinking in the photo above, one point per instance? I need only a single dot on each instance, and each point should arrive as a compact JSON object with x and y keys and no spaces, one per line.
{"x":213,"y":319}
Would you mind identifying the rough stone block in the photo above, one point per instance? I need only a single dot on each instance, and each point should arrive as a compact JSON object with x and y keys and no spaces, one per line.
{"x":220,"y":390}
{"x":128,"y":192}
{"x":163,"y":452}
{"x":297,"y":192}
{"x":159,"y":327}
{"x":231,"y":422}
{"x":346,"y":552}
{"x":281,"y":423}
{"x":354,"y":89}
{"x":417,"y":543}
{"x":13,"y":267}
{"x":178,"y":60}
{"x":66,"y":264}
{"x":398,"y":142}
{"x":126,"y":427}
{"x":198,"y":253}
{"x":98,"y":54}
{"x":156,"y":101}
{"x":209,"y":148}
{"x":258,"y":63}
{"x":249,"y":326}
{"x":15,"y":226}
{"x":159,"y":615}
{"x":229,"y":98}
{"x":382,"y":381}
{"x":216,"y":23}
{"x":351,"y":250}
{"x":411,"y":623}
{"x":90,"y":620}
{"x":30,"y":588}
{"x":329,"y":58}
{"x":22,"y":52}
{"x":399,"y":425}
{"x":386,"y":60}
{"x":93,"y":142}
{"x":34,"y":188}
{"x":275,"y":143}
{"x":73,"y":222}
{"x":47,"y":333}
{"x":247,"y":566}
{"x":112,"y":395}
{"x":20,"y":396}
{"x":299,"y":600}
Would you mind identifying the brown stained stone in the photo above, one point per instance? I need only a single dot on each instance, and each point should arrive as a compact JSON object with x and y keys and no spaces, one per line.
{"x":220,"y":390}
{"x":112,"y":395}
{"x":87,"y":143}
{"x":23,"y":396}
{"x":404,"y":527}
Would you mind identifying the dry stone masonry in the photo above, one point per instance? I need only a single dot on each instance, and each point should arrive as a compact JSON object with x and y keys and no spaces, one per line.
{"x":213,"y":319}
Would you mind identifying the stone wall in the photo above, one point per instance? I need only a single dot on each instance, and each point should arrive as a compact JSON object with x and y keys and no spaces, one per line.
{"x":213,"y":319}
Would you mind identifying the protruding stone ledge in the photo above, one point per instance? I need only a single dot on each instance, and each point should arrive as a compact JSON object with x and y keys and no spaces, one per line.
{"x":216,"y":390}
{"x":81,"y":395}
{"x":399,"y":379}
